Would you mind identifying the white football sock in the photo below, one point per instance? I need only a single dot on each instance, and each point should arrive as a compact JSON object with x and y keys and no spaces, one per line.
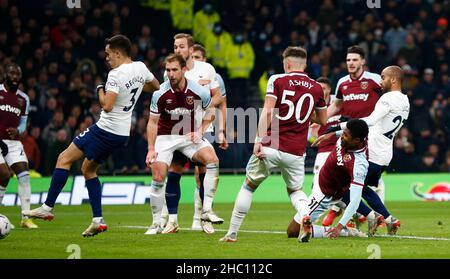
{"x":241,"y":208}
{"x":210,"y":184}
{"x":46,"y":207}
{"x":300,"y":202}
{"x":24,"y":190}
{"x":2,"y":193}
{"x":173,"y":218}
{"x":198,"y":206}
{"x":97,"y":219}
{"x":164,"y":210}
{"x":156,"y":200}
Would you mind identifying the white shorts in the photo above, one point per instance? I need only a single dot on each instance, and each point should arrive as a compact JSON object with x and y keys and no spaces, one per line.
{"x":166,"y":145}
{"x":318,"y":164}
{"x":292,"y":167}
{"x":318,"y":203}
{"x":15,"y":153}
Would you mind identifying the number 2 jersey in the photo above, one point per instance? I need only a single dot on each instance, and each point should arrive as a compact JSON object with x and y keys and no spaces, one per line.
{"x":296,"y":96}
{"x":391,"y":110}
{"x":127,"y":81}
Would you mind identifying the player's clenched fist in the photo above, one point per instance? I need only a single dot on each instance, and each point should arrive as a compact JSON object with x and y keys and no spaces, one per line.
{"x":151,"y":157}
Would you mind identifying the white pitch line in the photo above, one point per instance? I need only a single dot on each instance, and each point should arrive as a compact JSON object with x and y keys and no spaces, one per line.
{"x":217,"y":230}
{"x":278,"y":232}
{"x":414,"y":237}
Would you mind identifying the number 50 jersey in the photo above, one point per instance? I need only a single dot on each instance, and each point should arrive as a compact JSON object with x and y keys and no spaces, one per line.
{"x":127,"y":81}
{"x":297,"y":96}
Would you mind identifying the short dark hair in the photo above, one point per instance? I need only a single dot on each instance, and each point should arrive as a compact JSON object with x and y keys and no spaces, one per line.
{"x":358,"y":128}
{"x":356,"y":49}
{"x":176,"y":57}
{"x":295,"y":52}
{"x":324,"y":80}
{"x":199,"y":47}
{"x":119,"y":42}
{"x":189,"y":38}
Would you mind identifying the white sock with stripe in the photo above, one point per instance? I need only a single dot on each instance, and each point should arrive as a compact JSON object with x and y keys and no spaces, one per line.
{"x":210,"y":184}
{"x":24,"y":190}
{"x":241,"y":208}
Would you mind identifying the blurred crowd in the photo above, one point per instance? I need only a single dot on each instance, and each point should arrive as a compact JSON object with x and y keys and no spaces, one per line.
{"x":61,"y":52}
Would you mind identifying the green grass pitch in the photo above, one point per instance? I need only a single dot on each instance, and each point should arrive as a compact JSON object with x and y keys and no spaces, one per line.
{"x":425,"y":233}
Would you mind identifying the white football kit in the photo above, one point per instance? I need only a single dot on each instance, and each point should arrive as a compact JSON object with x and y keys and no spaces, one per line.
{"x":390,"y":112}
{"x":127,"y":81}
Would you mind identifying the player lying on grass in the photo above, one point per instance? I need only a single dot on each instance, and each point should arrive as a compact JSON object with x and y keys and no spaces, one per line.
{"x":344,"y":170}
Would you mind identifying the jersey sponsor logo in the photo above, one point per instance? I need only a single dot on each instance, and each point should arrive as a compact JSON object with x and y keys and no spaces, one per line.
{"x":356,"y":97}
{"x":340,"y":161}
{"x":189,"y":100}
{"x":179,"y":111}
{"x":364,"y":85}
{"x":347,"y":158}
{"x":334,"y":118}
{"x":9,"y":108}
{"x":111,"y":83}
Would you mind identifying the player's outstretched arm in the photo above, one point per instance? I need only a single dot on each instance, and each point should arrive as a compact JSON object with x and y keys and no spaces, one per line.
{"x":151,"y":86}
{"x":355,"y":199}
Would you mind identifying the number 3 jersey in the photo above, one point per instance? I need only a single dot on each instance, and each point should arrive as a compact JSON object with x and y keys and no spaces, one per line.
{"x":391,"y":110}
{"x":296,"y":96}
{"x":127,"y":81}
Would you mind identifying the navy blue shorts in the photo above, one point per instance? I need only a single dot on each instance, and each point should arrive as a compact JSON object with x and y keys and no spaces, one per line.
{"x":98,"y":144}
{"x":374,"y":174}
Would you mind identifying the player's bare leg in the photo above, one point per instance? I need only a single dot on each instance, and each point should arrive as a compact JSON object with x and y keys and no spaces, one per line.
{"x":89,"y":169}
{"x":157,"y":192}
{"x":59,"y":179}
{"x":24,"y":191}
